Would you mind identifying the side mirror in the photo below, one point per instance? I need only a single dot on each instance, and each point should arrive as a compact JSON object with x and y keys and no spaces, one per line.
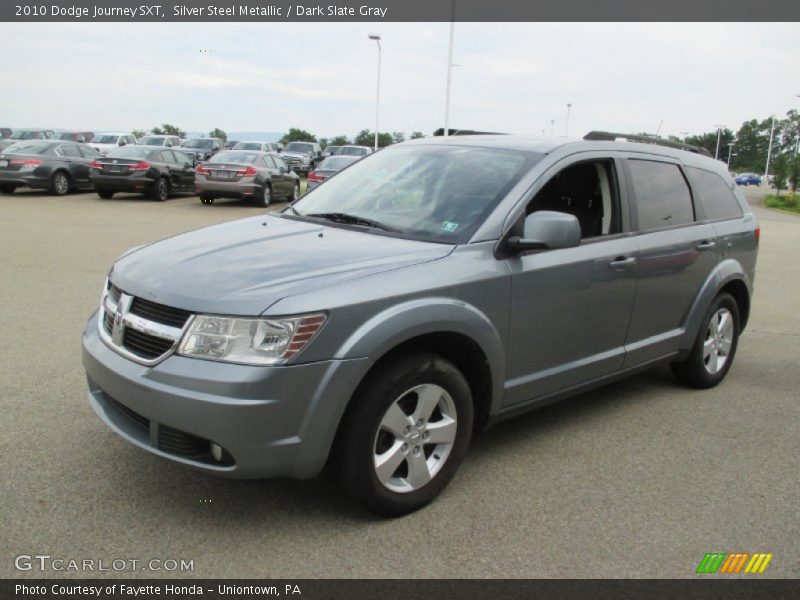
{"x":548,"y":230}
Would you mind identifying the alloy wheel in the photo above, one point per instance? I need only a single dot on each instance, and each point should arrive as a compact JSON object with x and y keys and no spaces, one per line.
{"x":719,"y":341}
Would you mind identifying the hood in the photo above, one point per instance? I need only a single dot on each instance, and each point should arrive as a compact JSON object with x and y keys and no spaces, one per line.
{"x":243,"y":267}
{"x":295,"y":154}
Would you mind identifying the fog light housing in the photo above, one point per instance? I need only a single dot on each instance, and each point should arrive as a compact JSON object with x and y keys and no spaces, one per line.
{"x":216,"y":452}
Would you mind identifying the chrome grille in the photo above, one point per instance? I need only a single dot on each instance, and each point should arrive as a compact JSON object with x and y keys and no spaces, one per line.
{"x":138,"y":329}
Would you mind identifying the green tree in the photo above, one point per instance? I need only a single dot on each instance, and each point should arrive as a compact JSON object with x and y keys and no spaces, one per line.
{"x":339,"y":140}
{"x":323,"y":142}
{"x":398,"y":137}
{"x":780,"y":171}
{"x":708,"y":141}
{"x":298,"y":135}
{"x":167,"y":129}
{"x":366,"y":137}
{"x":416,"y":135}
{"x":218,"y":133}
{"x":138,"y":133}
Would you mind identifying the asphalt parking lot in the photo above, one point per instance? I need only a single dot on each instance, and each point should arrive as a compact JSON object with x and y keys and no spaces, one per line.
{"x":637,"y":479}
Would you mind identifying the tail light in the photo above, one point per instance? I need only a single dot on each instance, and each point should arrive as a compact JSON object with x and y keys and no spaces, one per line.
{"x":201,"y":169}
{"x":758,"y":233}
{"x":140,"y":166}
{"x":314,"y":177}
{"x":26,"y":162}
{"x":247,"y":172}
{"x":95,"y":165}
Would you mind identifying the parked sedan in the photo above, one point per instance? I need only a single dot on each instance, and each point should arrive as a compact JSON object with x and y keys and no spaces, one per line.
{"x":748,"y":179}
{"x":200,"y":149}
{"x":76,"y":136}
{"x":165,"y":141}
{"x":331,"y":151}
{"x":258,"y":176}
{"x":359,"y":151}
{"x":55,"y":165}
{"x":32,"y":134}
{"x":5,"y":132}
{"x":257,"y":146}
{"x":150,"y":170}
{"x":328,"y":168}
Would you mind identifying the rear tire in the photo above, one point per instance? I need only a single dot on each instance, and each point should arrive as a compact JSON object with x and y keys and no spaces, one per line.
{"x":161,"y":190}
{"x":206,"y":199}
{"x":59,"y":184}
{"x":7,"y":189}
{"x":295,"y":192}
{"x":715,"y":347}
{"x":105,"y":194}
{"x":405,"y":434}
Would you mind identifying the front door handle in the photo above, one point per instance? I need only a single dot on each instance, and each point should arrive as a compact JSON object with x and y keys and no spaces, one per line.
{"x":706,"y":245}
{"x":622,"y":262}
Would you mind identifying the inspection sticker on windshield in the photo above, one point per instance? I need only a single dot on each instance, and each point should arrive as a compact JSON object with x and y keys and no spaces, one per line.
{"x":449,"y":226}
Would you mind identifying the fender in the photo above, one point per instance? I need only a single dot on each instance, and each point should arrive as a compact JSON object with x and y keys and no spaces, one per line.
{"x":414,"y":318}
{"x":726,"y":271}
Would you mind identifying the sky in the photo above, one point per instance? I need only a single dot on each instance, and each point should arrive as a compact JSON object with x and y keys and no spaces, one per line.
{"x":512,"y":77}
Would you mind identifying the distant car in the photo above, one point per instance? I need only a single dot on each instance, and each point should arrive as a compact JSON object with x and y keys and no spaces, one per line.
{"x":149,"y":170}
{"x":748,"y":179}
{"x":6,"y":143}
{"x":55,"y":165}
{"x":105,"y":142}
{"x":359,"y":151}
{"x":247,"y":174}
{"x":75,"y":136}
{"x":32,"y":134}
{"x":229,"y":144}
{"x":165,"y":141}
{"x":330,"y":151}
{"x":257,"y":146}
{"x":200,"y":149}
{"x":302,"y":157}
{"x":5,"y":132}
{"x":328,"y":168}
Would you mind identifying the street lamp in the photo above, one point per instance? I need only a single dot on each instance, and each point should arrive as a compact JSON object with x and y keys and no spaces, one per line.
{"x":450,"y":66}
{"x":769,"y":149}
{"x":566,"y":123}
{"x":552,"y":126}
{"x":730,"y":150}
{"x":719,"y":133}
{"x":377,"y":38}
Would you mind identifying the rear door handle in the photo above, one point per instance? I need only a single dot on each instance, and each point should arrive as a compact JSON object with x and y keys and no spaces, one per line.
{"x":622,"y":262}
{"x":706,"y":245}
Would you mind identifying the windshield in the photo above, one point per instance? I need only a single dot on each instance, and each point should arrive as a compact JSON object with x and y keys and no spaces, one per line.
{"x":23,"y":134}
{"x":299,"y":147}
{"x":105,"y":139}
{"x":428,"y":192}
{"x":198,"y":143}
{"x":334,"y":163}
{"x":351,"y":151}
{"x":27,"y":148}
{"x":247,"y":146}
{"x":233,"y":157}
{"x":130,"y":152}
{"x":333,"y":150}
{"x":152,"y":140}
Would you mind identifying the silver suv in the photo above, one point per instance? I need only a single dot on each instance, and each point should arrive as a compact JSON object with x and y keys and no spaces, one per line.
{"x":421,"y":295}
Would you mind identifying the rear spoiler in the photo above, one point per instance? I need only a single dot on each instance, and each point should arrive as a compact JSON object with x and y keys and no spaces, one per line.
{"x":606,"y":136}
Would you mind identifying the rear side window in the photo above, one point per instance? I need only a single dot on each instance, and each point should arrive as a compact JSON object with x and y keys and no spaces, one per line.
{"x":714,"y":194}
{"x":89,"y":152}
{"x":662,"y":195}
{"x":69,"y":150}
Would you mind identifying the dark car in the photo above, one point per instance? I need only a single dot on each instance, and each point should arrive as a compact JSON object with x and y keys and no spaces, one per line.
{"x":165,"y":141}
{"x":200,"y":149}
{"x":55,"y":165}
{"x":5,"y":132}
{"x":150,"y":170}
{"x":260,"y":176}
{"x":748,"y":179}
{"x":5,"y":143}
{"x":76,"y":136}
{"x":328,"y":168}
{"x":32,"y":134}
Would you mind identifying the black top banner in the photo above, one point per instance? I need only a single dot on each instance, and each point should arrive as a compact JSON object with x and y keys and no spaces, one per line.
{"x":399,"y":10}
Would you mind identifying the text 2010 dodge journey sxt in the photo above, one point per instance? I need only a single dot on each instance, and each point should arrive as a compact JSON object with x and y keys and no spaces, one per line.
{"x":416,"y":297}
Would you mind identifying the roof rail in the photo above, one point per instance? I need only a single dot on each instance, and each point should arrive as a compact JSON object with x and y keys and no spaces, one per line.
{"x":440,"y":132}
{"x":644,"y":139}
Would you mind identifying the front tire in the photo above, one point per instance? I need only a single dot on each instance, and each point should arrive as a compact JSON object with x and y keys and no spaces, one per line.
{"x":7,"y":189}
{"x":405,"y":434}
{"x":59,"y":184}
{"x":712,"y":355}
{"x":161,"y":190}
{"x":266,"y":195}
{"x":105,"y":194}
{"x":295,"y":192}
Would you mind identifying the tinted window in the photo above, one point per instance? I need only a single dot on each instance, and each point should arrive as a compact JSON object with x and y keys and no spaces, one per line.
{"x":106,"y":139}
{"x":152,"y":140}
{"x":233,"y":156}
{"x":714,"y":194}
{"x":268,"y":162}
{"x":28,"y":148}
{"x":181,"y":158}
{"x":662,"y":195}
{"x":89,"y":152}
{"x":69,"y":150}
{"x":300,"y":147}
{"x":166,"y":156}
{"x":139,"y":152}
{"x":279,"y":162}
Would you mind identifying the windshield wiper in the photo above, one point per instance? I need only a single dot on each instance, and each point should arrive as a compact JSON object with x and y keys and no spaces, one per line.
{"x":293,"y":209}
{"x":338,"y":217}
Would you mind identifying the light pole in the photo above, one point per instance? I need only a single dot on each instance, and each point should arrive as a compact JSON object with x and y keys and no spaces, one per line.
{"x":566,"y":123}
{"x":719,"y":133}
{"x":552,"y":126}
{"x":449,"y":70}
{"x":685,"y":134}
{"x":377,"y":38}
{"x":769,"y":150}
{"x":730,"y":151}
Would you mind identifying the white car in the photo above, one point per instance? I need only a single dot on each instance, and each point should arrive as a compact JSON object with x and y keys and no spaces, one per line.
{"x":103,"y":142}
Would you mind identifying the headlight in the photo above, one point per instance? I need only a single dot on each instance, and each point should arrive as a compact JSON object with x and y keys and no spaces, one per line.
{"x":249,"y":341}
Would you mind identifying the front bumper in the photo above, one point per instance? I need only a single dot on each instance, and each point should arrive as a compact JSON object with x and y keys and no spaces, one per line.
{"x":271,"y":421}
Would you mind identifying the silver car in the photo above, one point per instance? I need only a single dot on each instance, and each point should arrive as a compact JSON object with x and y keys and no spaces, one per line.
{"x":244,"y":174}
{"x":421,"y":295}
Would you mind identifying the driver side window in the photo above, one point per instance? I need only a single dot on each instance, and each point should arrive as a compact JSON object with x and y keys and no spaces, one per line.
{"x":589,"y":191}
